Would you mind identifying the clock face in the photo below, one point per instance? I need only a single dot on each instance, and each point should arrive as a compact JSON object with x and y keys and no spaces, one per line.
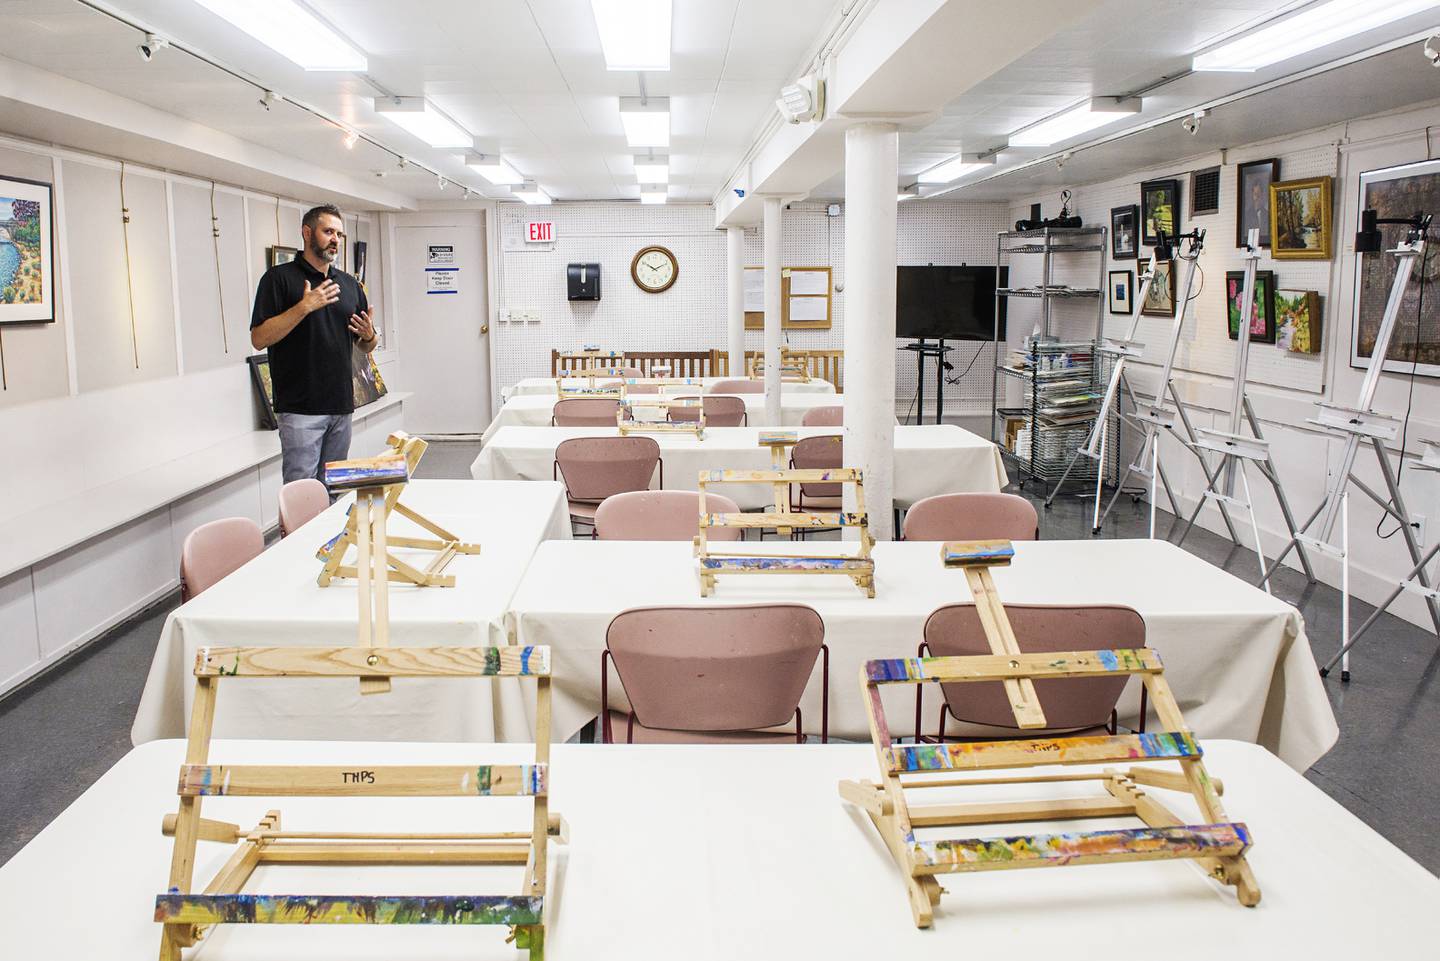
{"x":654,"y":269}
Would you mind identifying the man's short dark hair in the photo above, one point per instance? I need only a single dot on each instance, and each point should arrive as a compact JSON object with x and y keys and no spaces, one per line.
{"x":312,"y":216}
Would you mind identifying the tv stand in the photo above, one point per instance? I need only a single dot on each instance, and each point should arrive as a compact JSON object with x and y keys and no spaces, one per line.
{"x":938,"y":350}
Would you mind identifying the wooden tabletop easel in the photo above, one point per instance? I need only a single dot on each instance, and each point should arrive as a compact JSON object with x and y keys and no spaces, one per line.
{"x":1218,"y":845}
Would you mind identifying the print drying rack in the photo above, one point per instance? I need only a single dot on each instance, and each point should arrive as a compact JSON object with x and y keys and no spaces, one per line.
{"x":186,"y":914}
{"x":375,"y":505}
{"x":859,"y":567}
{"x":1218,"y":845}
{"x":628,"y":423}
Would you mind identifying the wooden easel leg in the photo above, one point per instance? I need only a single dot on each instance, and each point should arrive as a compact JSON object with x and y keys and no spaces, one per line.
{"x":187,"y":821}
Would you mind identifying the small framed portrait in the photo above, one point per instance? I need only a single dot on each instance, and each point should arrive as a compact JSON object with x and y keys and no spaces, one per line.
{"x":1121,"y":291}
{"x":1262,"y":311}
{"x":1160,"y":298}
{"x":1124,"y":235}
{"x":1297,"y":321}
{"x":1159,"y":210}
{"x":275,"y":256}
{"x":1252,"y":199}
{"x":1300,"y":218}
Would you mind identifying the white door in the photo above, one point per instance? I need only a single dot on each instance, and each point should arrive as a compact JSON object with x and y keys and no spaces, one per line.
{"x":444,"y":336}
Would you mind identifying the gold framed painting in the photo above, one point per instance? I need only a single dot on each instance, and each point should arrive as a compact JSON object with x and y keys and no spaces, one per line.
{"x":1300,"y":222}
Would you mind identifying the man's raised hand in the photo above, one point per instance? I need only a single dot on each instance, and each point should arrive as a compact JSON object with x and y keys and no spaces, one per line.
{"x":323,"y":296}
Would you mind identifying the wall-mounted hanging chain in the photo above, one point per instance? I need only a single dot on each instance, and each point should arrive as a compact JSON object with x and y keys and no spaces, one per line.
{"x":219,"y":271}
{"x":129,"y":276}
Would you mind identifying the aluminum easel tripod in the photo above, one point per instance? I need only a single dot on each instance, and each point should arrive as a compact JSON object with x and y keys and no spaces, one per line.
{"x":1150,"y":419}
{"x":1237,"y":449}
{"x":1361,"y":424}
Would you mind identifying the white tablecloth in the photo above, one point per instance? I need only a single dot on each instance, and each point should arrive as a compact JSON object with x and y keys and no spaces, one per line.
{"x":546,"y":385}
{"x":534,"y":410}
{"x":1236,"y":658}
{"x":720,"y":853}
{"x":929,"y":459}
{"x":274,"y":600}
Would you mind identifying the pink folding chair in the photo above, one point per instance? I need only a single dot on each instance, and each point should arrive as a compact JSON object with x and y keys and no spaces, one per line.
{"x":972,"y":517}
{"x":584,"y":412}
{"x":594,"y":468}
{"x":822,"y":452}
{"x":661,"y":516}
{"x":742,"y":386}
{"x":724,"y":411}
{"x":714,"y":675}
{"x":1072,"y":706}
{"x":830,"y":415}
{"x":214,"y":550}
{"x":642,"y":388}
{"x":301,"y":500}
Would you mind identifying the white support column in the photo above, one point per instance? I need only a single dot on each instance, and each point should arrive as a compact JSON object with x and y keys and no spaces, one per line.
{"x":772,"y":311}
{"x":871,"y":173}
{"x":735,"y":302}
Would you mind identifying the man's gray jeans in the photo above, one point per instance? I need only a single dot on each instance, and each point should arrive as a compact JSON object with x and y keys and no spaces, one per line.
{"x":307,"y":441}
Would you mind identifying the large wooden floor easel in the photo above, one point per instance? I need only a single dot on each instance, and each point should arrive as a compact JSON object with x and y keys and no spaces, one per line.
{"x":374,"y":509}
{"x":1218,"y":844}
{"x":859,"y":567}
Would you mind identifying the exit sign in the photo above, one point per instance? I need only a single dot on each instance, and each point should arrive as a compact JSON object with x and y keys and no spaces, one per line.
{"x":541,"y":232}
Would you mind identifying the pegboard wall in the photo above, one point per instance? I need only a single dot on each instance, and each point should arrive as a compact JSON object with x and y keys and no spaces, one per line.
{"x":691,"y":314}
{"x":1205,"y":344}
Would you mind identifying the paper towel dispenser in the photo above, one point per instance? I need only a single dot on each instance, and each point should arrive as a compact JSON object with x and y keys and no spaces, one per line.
{"x":583,"y":281}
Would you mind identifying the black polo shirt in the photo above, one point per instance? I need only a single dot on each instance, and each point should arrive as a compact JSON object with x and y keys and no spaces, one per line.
{"x":310,"y":366}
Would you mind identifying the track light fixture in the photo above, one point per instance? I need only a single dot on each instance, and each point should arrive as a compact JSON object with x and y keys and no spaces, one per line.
{"x":153,"y":44}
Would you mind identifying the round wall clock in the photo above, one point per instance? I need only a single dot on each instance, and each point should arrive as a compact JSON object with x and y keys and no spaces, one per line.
{"x":654,"y":269}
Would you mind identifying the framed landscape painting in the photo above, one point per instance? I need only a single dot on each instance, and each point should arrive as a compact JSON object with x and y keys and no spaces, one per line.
{"x":275,"y":256}
{"x":1300,"y":219}
{"x":264,"y":389}
{"x":1262,"y":311}
{"x":1159,"y":210}
{"x":1398,"y":192}
{"x":1297,"y":321}
{"x":27,"y":252}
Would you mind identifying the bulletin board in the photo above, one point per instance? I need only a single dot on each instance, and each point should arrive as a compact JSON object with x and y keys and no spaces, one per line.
{"x":805,"y":301}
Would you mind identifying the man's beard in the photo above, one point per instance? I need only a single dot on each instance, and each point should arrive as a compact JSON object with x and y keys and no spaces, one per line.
{"x":326,"y":255}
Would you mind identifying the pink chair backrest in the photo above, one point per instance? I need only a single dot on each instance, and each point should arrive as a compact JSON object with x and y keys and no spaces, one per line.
{"x":593,"y":468}
{"x":301,"y":500}
{"x":214,"y":550}
{"x":743,"y":386}
{"x":642,"y":388}
{"x":819,"y":453}
{"x":661,"y":516}
{"x":715,"y":668}
{"x":1069,"y":703}
{"x":629,"y":373}
{"x":972,"y":517}
{"x":724,"y":411}
{"x":831,"y":415}
{"x":585,"y":412}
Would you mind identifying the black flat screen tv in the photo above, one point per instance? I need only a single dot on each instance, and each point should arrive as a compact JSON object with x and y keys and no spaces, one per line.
{"x":948,"y":303}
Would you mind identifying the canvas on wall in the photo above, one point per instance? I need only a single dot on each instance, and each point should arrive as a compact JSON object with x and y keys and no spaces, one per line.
{"x":27,"y":252}
{"x":1398,"y":192}
{"x":365,"y":377}
{"x":1262,"y":311}
{"x":1159,"y":210}
{"x":1297,"y":321}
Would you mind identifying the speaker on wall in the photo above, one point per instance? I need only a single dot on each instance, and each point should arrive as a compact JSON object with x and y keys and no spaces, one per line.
{"x":583,"y":281}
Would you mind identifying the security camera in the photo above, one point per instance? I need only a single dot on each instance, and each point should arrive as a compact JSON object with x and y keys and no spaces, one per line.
{"x":1430,"y":52}
{"x":1191,"y":124}
{"x":266,"y":99}
{"x":151,"y":46}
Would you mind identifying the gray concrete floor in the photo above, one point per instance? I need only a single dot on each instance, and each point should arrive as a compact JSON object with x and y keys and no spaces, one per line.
{"x":61,"y":731}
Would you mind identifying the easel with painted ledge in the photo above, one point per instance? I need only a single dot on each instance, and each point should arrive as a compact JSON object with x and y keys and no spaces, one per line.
{"x":628,"y":423}
{"x":376,"y":506}
{"x":1218,"y":845}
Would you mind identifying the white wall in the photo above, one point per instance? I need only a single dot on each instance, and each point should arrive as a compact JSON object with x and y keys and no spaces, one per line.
{"x":691,"y":314}
{"x":1285,"y":386}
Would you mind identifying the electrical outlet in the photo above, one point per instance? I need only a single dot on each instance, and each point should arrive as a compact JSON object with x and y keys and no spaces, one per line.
{"x":1418,"y":525}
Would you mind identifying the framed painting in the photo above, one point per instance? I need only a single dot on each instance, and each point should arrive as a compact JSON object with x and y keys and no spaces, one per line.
{"x":1262,"y":311}
{"x":1121,"y":292}
{"x":1297,"y":321}
{"x":1252,"y":199}
{"x":368,"y":385}
{"x":1159,"y":210}
{"x":264,"y":389}
{"x":275,"y":256}
{"x":27,"y":252}
{"x":361,"y":254}
{"x":1124,"y":243}
{"x":1300,"y":219}
{"x":1160,"y":298}
{"x":1415,"y":345}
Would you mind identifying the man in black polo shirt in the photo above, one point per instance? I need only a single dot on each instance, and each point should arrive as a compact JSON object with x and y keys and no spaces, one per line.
{"x":308,"y":313}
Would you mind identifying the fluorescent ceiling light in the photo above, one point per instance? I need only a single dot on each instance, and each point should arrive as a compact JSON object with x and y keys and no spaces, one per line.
{"x":652,"y":170}
{"x":421,"y":118}
{"x":1075,"y":121}
{"x":493,"y":168}
{"x":530,"y":193}
{"x":647,"y":123}
{"x":955,"y":168}
{"x":1310,"y":29}
{"x":635,"y":34}
{"x":653,"y":193}
{"x":291,"y":31}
